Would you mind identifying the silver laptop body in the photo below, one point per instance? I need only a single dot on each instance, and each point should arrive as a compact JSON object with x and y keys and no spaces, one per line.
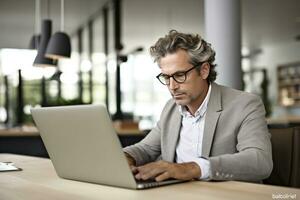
{"x":83,"y":145}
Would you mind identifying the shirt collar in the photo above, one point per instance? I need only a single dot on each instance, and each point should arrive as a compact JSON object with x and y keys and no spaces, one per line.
{"x":201,"y":110}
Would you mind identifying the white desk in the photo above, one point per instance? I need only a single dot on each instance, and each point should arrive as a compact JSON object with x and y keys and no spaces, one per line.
{"x":38,"y":181}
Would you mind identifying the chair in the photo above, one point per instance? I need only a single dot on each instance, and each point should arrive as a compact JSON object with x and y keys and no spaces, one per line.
{"x":286,"y":156}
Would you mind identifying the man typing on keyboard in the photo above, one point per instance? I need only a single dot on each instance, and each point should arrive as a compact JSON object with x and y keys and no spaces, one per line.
{"x":206,"y":131}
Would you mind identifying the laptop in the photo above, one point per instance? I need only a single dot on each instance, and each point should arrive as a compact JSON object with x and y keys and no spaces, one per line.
{"x":83,"y":146}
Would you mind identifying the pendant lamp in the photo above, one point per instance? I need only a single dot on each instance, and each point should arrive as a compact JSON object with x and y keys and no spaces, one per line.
{"x":40,"y":59}
{"x":35,"y":41}
{"x":36,"y":38}
{"x":59,"y":45}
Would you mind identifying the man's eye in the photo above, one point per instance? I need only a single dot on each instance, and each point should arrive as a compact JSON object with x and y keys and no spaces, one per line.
{"x":179,"y":75}
{"x":165,"y":76}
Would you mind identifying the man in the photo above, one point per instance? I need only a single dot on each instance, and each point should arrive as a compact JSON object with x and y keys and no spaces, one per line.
{"x":207,"y":131}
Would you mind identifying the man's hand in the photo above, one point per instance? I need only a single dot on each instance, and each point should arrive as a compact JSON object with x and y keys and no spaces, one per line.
{"x":162,"y":170}
{"x":131,"y":163}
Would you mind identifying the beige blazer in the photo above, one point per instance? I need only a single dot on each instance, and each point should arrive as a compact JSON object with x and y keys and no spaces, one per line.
{"x":236,"y":140}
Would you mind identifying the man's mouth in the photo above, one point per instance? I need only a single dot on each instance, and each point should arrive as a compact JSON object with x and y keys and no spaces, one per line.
{"x":178,"y":95}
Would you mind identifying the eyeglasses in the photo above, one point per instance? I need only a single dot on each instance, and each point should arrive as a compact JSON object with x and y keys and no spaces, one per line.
{"x":179,"y":77}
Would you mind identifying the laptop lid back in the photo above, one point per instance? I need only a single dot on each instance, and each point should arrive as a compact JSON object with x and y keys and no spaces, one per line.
{"x":83,"y":145}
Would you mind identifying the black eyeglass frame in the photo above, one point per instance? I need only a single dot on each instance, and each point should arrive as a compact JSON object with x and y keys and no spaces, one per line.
{"x":173,"y":75}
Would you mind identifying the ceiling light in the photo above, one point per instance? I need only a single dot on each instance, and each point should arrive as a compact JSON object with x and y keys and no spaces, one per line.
{"x":40,"y":59}
{"x":35,"y":41}
{"x":59,"y":45}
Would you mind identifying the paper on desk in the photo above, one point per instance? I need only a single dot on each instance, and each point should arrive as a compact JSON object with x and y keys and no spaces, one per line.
{"x":8,"y":166}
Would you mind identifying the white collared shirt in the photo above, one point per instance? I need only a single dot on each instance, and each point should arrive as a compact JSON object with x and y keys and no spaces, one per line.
{"x":189,"y":147}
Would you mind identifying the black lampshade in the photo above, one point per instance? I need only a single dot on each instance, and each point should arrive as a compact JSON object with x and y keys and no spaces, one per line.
{"x":40,"y":59}
{"x":35,"y":41}
{"x":59,"y":46}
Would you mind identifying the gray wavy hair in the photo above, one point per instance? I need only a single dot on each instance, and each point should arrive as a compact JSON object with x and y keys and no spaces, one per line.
{"x":198,"y":49}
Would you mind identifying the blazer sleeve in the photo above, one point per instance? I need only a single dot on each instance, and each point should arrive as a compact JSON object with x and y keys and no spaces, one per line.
{"x":253,"y":159}
{"x":148,"y":149}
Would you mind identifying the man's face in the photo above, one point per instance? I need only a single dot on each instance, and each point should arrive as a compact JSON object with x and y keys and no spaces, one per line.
{"x":192,"y":91}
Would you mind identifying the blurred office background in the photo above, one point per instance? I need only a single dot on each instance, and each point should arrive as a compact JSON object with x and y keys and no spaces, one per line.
{"x":105,"y":37}
{"x":110,"y":60}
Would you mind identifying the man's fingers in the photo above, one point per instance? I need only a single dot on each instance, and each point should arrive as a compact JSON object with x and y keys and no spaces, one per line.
{"x":163,"y":176}
{"x":150,"y":171}
{"x":134,"y":169}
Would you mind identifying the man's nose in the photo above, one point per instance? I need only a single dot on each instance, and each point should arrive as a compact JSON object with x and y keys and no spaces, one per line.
{"x":173,"y":84}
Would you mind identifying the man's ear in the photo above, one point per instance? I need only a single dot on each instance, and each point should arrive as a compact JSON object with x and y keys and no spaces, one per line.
{"x":204,"y":72}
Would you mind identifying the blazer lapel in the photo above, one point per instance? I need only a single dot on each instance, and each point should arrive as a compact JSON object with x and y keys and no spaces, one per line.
{"x":172,"y":141}
{"x":212,"y":115}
